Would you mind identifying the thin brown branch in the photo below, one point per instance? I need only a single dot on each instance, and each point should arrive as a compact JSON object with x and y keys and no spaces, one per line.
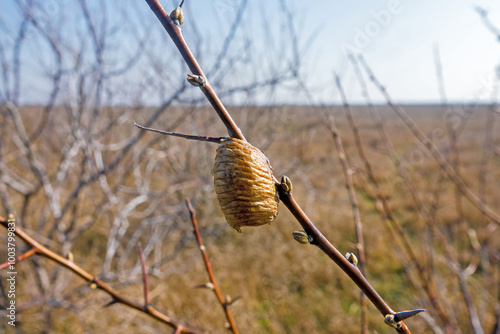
{"x":453,"y":153}
{"x":147,"y":301}
{"x":358,"y":225}
{"x":23,"y":256}
{"x":177,"y":37}
{"x":322,"y":243}
{"x":348,"y":178}
{"x":56,"y":76}
{"x":224,"y":303}
{"x":114,"y":294}
{"x":427,"y":282}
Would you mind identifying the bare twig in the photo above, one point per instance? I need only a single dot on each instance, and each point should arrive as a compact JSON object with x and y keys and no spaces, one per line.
{"x":453,"y":133}
{"x":115,"y":295}
{"x":177,"y":37}
{"x":427,"y":282}
{"x":213,"y":284}
{"x":360,"y":244}
{"x":147,"y":301}
{"x":56,"y":76}
{"x":471,"y":309}
{"x":487,"y":22}
{"x":24,"y":256}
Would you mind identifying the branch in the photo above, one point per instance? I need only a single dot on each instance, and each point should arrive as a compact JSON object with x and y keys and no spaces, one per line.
{"x":358,"y":225}
{"x":22,"y":257}
{"x":177,"y":37}
{"x":224,"y":303}
{"x":147,"y":301}
{"x":115,"y":295}
{"x":427,"y":283}
{"x":487,"y":22}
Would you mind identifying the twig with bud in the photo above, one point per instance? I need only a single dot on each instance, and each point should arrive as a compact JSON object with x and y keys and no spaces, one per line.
{"x":147,"y":301}
{"x":225,"y":302}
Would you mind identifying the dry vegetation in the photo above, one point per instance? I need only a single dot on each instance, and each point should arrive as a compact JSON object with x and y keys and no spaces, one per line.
{"x":284,"y":287}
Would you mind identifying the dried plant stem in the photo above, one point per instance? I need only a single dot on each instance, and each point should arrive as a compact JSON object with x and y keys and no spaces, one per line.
{"x":443,"y":164}
{"x":453,"y":154}
{"x":115,"y":295}
{"x":427,"y":282}
{"x":217,"y":140}
{"x":224,"y":303}
{"x":484,"y":172}
{"x":348,"y":174}
{"x":429,"y":286}
{"x":318,"y":239}
{"x":147,"y":301}
{"x":487,"y":144}
{"x":360,"y":244}
{"x":462,"y":275}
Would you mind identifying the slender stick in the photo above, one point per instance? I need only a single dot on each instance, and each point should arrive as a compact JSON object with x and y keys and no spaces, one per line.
{"x":427,"y":282}
{"x":217,"y":140}
{"x":358,"y":225}
{"x":453,"y":154}
{"x":24,"y":256}
{"x":177,"y":37}
{"x":224,"y":303}
{"x":320,"y":241}
{"x":115,"y":295}
{"x":147,"y":301}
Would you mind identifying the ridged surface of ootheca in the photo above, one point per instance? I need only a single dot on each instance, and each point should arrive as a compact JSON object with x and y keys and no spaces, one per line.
{"x":244,"y":184}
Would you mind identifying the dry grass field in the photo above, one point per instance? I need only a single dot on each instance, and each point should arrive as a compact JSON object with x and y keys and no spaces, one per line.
{"x":283,"y":286}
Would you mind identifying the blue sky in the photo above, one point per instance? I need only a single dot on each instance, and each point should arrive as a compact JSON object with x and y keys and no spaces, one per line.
{"x":401,"y":54}
{"x":396,"y":37}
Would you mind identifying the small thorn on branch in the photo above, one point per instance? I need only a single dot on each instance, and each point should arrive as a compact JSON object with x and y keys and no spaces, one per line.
{"x":400,"y":316}
{"x":112,"y":302}
{"x":217,"y":140}
{"x":232,"y":301}
{"x":393,"y":320}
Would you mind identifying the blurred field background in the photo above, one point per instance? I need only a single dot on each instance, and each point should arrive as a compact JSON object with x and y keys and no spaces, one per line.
{"x":81,"y":179}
